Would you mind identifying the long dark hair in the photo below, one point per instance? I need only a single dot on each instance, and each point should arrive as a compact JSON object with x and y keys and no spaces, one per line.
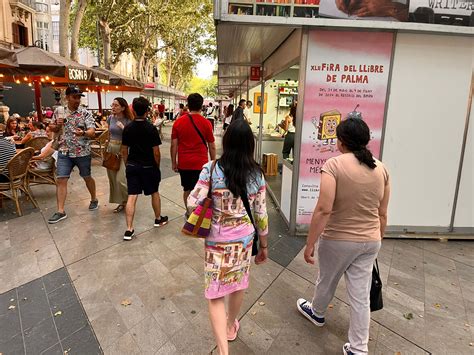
{"x":293,"y":112}
{"x":229,"y":111}
{"x":8,"y":128}
{"x":237,"y":161}
{"x":124,"y":104}
{"x":355,"y":135}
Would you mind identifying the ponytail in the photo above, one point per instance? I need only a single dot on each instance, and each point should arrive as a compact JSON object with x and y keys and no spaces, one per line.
{"x":355,"y":135}
{"x":364,"y":156}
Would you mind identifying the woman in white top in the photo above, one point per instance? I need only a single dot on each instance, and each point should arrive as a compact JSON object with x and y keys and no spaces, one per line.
{"x":228,"y":116}
{"x":289,"y":127}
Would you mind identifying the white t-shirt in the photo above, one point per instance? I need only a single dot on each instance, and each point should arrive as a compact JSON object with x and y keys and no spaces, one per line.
{"x":228,"y":119}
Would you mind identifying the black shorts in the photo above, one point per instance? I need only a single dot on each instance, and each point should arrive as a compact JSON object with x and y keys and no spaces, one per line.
{"x":142,"y":179}
{"x":189,"y":178}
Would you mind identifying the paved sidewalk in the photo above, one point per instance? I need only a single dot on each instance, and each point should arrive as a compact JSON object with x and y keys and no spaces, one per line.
{"x":146,"y":296}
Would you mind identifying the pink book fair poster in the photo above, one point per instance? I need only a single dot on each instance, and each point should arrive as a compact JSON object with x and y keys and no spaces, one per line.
{"x":347,"y":74}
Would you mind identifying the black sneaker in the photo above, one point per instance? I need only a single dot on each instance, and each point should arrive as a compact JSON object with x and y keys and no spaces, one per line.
{"x":346,"y":349}
{"x":57,"y":217}
{"x":93,"y":205}
{"x":161,"y":222}
{"x":306,"y":309}
{"x":128,"y":235}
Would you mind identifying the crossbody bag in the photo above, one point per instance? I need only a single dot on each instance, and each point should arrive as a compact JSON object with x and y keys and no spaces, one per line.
{"x":198,"y":131}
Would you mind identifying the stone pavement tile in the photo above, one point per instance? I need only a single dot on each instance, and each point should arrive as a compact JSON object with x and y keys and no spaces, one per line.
{"x":170,"y":189}
{"x":164,"y":254}
{"x":124,"y":345}
{"x":396,"y":305}
{"x":133,"y":313}
{"x":40,"y":337}
{"x":54,"y":350}
{"x":169,"y":317}
{"x":238,"y":347}
{"x":62,"y":297}
{"x":55,"y":280}
{"x":190,"y":303}
{"x":167,"y":349}
{"x":191,"y":340}
{"x":70,"y":320}
{"x":149,"y":335}
{"x":97,"y":304}
{"x":109,"y":328}
{"x":302,"y":269}
{"x":33,"y":304}
{"x":9,"y":318}
{"x":460,"y":251}
{"x":390,"y":343}
{"x":254,"y":336}
{"x":48,"y":259}
{"x":14,"y":346}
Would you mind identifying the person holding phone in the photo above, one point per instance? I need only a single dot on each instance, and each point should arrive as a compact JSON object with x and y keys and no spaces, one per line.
{"x":77,"y":128}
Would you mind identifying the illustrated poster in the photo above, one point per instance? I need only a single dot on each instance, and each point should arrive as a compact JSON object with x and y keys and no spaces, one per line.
{"x":346,"y":73}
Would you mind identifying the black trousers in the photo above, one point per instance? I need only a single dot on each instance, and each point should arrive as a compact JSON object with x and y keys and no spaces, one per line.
{"x":288,"y":144}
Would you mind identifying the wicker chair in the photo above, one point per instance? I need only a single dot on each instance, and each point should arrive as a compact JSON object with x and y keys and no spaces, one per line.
{"x":37,"y":143}
{"x":48,"y":177}
{"x":99,"y":144}
{"x":17,"y":169}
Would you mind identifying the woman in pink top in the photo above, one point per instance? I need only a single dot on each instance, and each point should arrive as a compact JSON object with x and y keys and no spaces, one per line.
{"x":348,"y":224}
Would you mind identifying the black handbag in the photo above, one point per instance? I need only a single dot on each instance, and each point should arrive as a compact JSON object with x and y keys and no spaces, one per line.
{"x":376,"y":301}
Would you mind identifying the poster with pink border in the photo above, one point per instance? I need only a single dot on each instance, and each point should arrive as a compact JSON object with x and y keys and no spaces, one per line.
{"x":347,"y":74}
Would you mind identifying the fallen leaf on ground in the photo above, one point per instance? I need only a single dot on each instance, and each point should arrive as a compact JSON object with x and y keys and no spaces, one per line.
{"x":437,"y":305}
{"x":331,"y":306}
{"x":395,"y":283}
{"x":261,"y":303}
{"x":12,"y":300}
{"x":398,"y":353}
{"x":420,"y":315}
{"x":408,"y":316}
{"x":471,"y":344}
{"x":172,"y":311}
{"x":11,"y":307}
{"x":467,"y":325}
{"x":253,"y":313}
{"x":37,"y":250}
{"x":193,"y":312}
{"x":126,"y":303}
{"x":58,"y":313}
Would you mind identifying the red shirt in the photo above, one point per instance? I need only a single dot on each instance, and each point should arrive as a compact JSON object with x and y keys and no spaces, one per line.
{"x":192,"y":153}
{"x":161,"y":108}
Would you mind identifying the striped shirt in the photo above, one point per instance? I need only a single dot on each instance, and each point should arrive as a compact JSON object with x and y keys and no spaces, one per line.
{"x":7,"y":151}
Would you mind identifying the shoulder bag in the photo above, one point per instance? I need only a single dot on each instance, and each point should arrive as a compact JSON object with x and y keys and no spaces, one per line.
{"x":110,"y":161}
{"x":197,"y":130}
{"x":376,"y":301}
{"x":246,"y":202}
{"x":198,"y":224}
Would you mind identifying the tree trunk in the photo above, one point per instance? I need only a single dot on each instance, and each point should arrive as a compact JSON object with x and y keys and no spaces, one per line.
{"x":106,"y":41}
{"x":76,"y":27}
{"x":64,"y":10}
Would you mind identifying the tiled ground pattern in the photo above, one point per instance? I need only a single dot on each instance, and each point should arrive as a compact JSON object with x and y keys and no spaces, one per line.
{"x":45,"y":316}
{"x":146,"y":296}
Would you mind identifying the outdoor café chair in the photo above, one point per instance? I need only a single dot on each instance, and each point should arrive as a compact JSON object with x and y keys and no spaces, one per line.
{"x":17,"y":169}
{"x":37,"y":143}
{"x":98,"y":145}
{"x":48,"y":177}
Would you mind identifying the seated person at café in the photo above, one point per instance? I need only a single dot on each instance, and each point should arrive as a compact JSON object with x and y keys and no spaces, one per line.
{"x":47,"y":157}
{"x":11,"y":130}
{"x":7,"y":151}
{"x":36,"y":130}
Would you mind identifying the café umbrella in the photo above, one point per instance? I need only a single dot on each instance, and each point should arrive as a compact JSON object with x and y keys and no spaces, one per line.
{"x":8,"y":58}
{"x":37,"y":66}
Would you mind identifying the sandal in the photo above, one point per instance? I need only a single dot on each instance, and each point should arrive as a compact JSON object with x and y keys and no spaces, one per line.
{"x":234,"y":336}
{"x":119,"y":209}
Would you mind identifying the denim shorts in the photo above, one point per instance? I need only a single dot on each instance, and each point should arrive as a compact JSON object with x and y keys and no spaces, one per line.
{"x":66,"y":163}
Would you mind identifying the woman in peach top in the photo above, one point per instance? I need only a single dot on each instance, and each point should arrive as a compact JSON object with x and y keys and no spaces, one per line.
{"x":348,"y":224}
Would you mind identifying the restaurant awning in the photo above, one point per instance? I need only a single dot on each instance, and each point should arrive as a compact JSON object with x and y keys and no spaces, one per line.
{"x":118,"y":81}
{"x":36,"y":62}
{"x":241,"y":46}
{"x":8,"y":58}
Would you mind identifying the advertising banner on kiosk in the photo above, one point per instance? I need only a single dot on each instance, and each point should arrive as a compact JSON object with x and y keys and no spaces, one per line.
{"x":347,"y":74}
